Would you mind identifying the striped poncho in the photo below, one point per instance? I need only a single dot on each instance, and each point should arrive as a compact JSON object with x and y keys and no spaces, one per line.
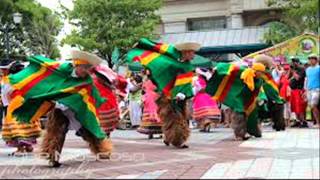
{"x":169,"y":74}
{"x":45,"y":81}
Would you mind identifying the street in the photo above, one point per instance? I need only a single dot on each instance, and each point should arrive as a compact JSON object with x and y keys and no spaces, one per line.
{"x":293,"y":153}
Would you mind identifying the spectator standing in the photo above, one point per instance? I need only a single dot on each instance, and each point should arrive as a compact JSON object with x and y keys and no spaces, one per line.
{"x":285,"y":92}
{"x":298,"y":104}
{"x":135,"y":95}
{"x":313,"y":86}
{"x":276,"y":72}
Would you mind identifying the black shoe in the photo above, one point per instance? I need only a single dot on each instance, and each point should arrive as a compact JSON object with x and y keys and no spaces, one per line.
{"x":296,"y":124}
{"x":55,"y":164}
{"x":166,"y":143}
{"x":184,"y":147}
{"x":304,"y":125}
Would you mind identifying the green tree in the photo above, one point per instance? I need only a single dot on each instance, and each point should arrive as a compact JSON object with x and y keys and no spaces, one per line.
{"x":298,"y":16}
{"x":37,"y":32}
{"x":102,"y":25}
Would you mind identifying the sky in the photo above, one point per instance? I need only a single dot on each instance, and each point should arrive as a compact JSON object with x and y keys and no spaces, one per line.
{"x":67,"y":28}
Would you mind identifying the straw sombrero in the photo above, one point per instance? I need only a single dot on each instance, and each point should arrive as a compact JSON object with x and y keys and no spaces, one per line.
{"x":82,"y":57}
{"x":264,"y":59}
{"x":188,"y":46}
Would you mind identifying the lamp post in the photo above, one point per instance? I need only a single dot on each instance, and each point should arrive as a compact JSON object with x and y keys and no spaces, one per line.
{"x":17,"y":18}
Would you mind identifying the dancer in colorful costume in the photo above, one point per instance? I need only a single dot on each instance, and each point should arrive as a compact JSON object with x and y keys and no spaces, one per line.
{"x":275,"y":103}
{"x":20,"y":135}
{"x":151,"y":123}
{"x":107,"y":82}
{"x":205,"y":108}
{"x":171,"y":71}
{"x":67,"y":91}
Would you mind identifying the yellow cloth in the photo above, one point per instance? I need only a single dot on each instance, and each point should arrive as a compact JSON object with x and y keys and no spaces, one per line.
{"x":258,"y":67}
{"x":249,"y":74}
{"x":80,"y":62}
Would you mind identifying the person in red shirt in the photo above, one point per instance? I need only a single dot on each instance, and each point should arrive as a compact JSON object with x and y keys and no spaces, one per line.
{"x":285,"y":92}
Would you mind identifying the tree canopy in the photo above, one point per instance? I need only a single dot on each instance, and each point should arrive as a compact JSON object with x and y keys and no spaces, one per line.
{"x":298,"y":17}
{"x":103,"y":25}
{"x":37,"y":32}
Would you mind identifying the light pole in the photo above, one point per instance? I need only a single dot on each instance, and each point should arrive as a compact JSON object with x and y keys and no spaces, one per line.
{"x":17,"y":18}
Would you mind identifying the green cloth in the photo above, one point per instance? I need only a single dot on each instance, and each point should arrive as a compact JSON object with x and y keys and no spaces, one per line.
{"x":48,"y":80}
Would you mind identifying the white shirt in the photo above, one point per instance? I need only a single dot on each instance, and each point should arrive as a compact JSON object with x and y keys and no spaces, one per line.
{"x":6,"y":91}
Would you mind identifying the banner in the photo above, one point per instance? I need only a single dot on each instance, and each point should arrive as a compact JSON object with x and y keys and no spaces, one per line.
{"x":301,"y":47}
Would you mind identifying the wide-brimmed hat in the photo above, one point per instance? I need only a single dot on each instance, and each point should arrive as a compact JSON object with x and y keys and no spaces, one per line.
{"x":82,"y":57}
{"x":264,"y":59}
{"x":188,"y":46}
{"x":315,"y":56}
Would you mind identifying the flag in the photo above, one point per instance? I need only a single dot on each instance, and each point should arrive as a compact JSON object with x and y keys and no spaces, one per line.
{"x":46,"y":80}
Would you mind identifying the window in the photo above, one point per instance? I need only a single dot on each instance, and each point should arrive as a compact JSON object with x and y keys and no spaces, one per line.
{"x":207,"y":23}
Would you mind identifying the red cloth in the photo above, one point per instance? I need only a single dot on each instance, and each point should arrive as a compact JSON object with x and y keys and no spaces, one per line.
{"x":284,"y":87}
{"x":298,"y":104}
{"x":108,"y":111}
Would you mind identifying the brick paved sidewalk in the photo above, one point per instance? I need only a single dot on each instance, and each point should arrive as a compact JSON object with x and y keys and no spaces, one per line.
{"x":290,"y":154}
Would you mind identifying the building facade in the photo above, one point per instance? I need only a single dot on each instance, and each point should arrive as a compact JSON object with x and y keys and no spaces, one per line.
{"x":200,"y":20}
{"x":197,"y":15}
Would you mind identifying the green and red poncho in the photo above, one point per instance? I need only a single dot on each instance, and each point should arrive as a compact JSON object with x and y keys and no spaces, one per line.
{"x":227,"y":87}
{"x":169,"y":74}
{"x":45,"y":81}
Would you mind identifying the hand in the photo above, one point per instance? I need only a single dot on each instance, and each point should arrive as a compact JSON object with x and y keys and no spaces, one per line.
{"x":180,"y":96}
{"x":304,"y":95}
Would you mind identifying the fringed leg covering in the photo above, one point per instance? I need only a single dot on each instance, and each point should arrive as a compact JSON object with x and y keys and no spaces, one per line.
{"x":277,"y":116}
{"x":99,"y":147}
{"x":239,"y":125}
{"x":175,"y":125}
{"x":57,"y":128}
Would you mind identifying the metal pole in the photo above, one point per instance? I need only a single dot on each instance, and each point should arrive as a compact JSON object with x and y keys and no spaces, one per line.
{"x":7,"y":45}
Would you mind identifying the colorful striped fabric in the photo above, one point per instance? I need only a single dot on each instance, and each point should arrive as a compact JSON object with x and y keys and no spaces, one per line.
{"x":46,"y":80}
{"x":227,"y":87}
{"x":271,"y":89}
{"x":169,"y":74}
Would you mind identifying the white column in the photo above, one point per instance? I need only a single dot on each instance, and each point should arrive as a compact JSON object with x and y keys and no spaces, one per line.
{"x":236,"y":21}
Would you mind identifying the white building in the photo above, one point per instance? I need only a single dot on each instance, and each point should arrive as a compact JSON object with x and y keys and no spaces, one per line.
{"x":234,"y":23}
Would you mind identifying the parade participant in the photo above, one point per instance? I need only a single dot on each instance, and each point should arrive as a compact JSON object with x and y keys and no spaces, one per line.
{"x":205,"y":109}
{"x":67,"y":91}
{"x":313,"y":86}
{"x":64,"y":117}
{"x":4,"y":70}
{"x":238,"y":87}
{"x":175,"y":113}
{"x":172,"y":73}
{"x":275,"y":103}
{"x":20,"y":135}
{"x":151,"y":123}
{"x":135,"y":95}
{"x":107,"y":81}
{"x":298,"y":104}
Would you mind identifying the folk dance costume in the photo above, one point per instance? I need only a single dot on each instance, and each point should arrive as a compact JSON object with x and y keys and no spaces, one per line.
{"x":205,"y":109}
{"x":17,"y":134}
{"x":275,"y":103}
{"x":173,"y":79}
{"x":68,"y":92}
{"x":238,"y":87}
{"x":106,"y":82}
{"x":151,"y":123}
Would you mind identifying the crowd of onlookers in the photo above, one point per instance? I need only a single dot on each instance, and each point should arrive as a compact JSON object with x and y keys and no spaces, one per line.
{"x":299,"y":86}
